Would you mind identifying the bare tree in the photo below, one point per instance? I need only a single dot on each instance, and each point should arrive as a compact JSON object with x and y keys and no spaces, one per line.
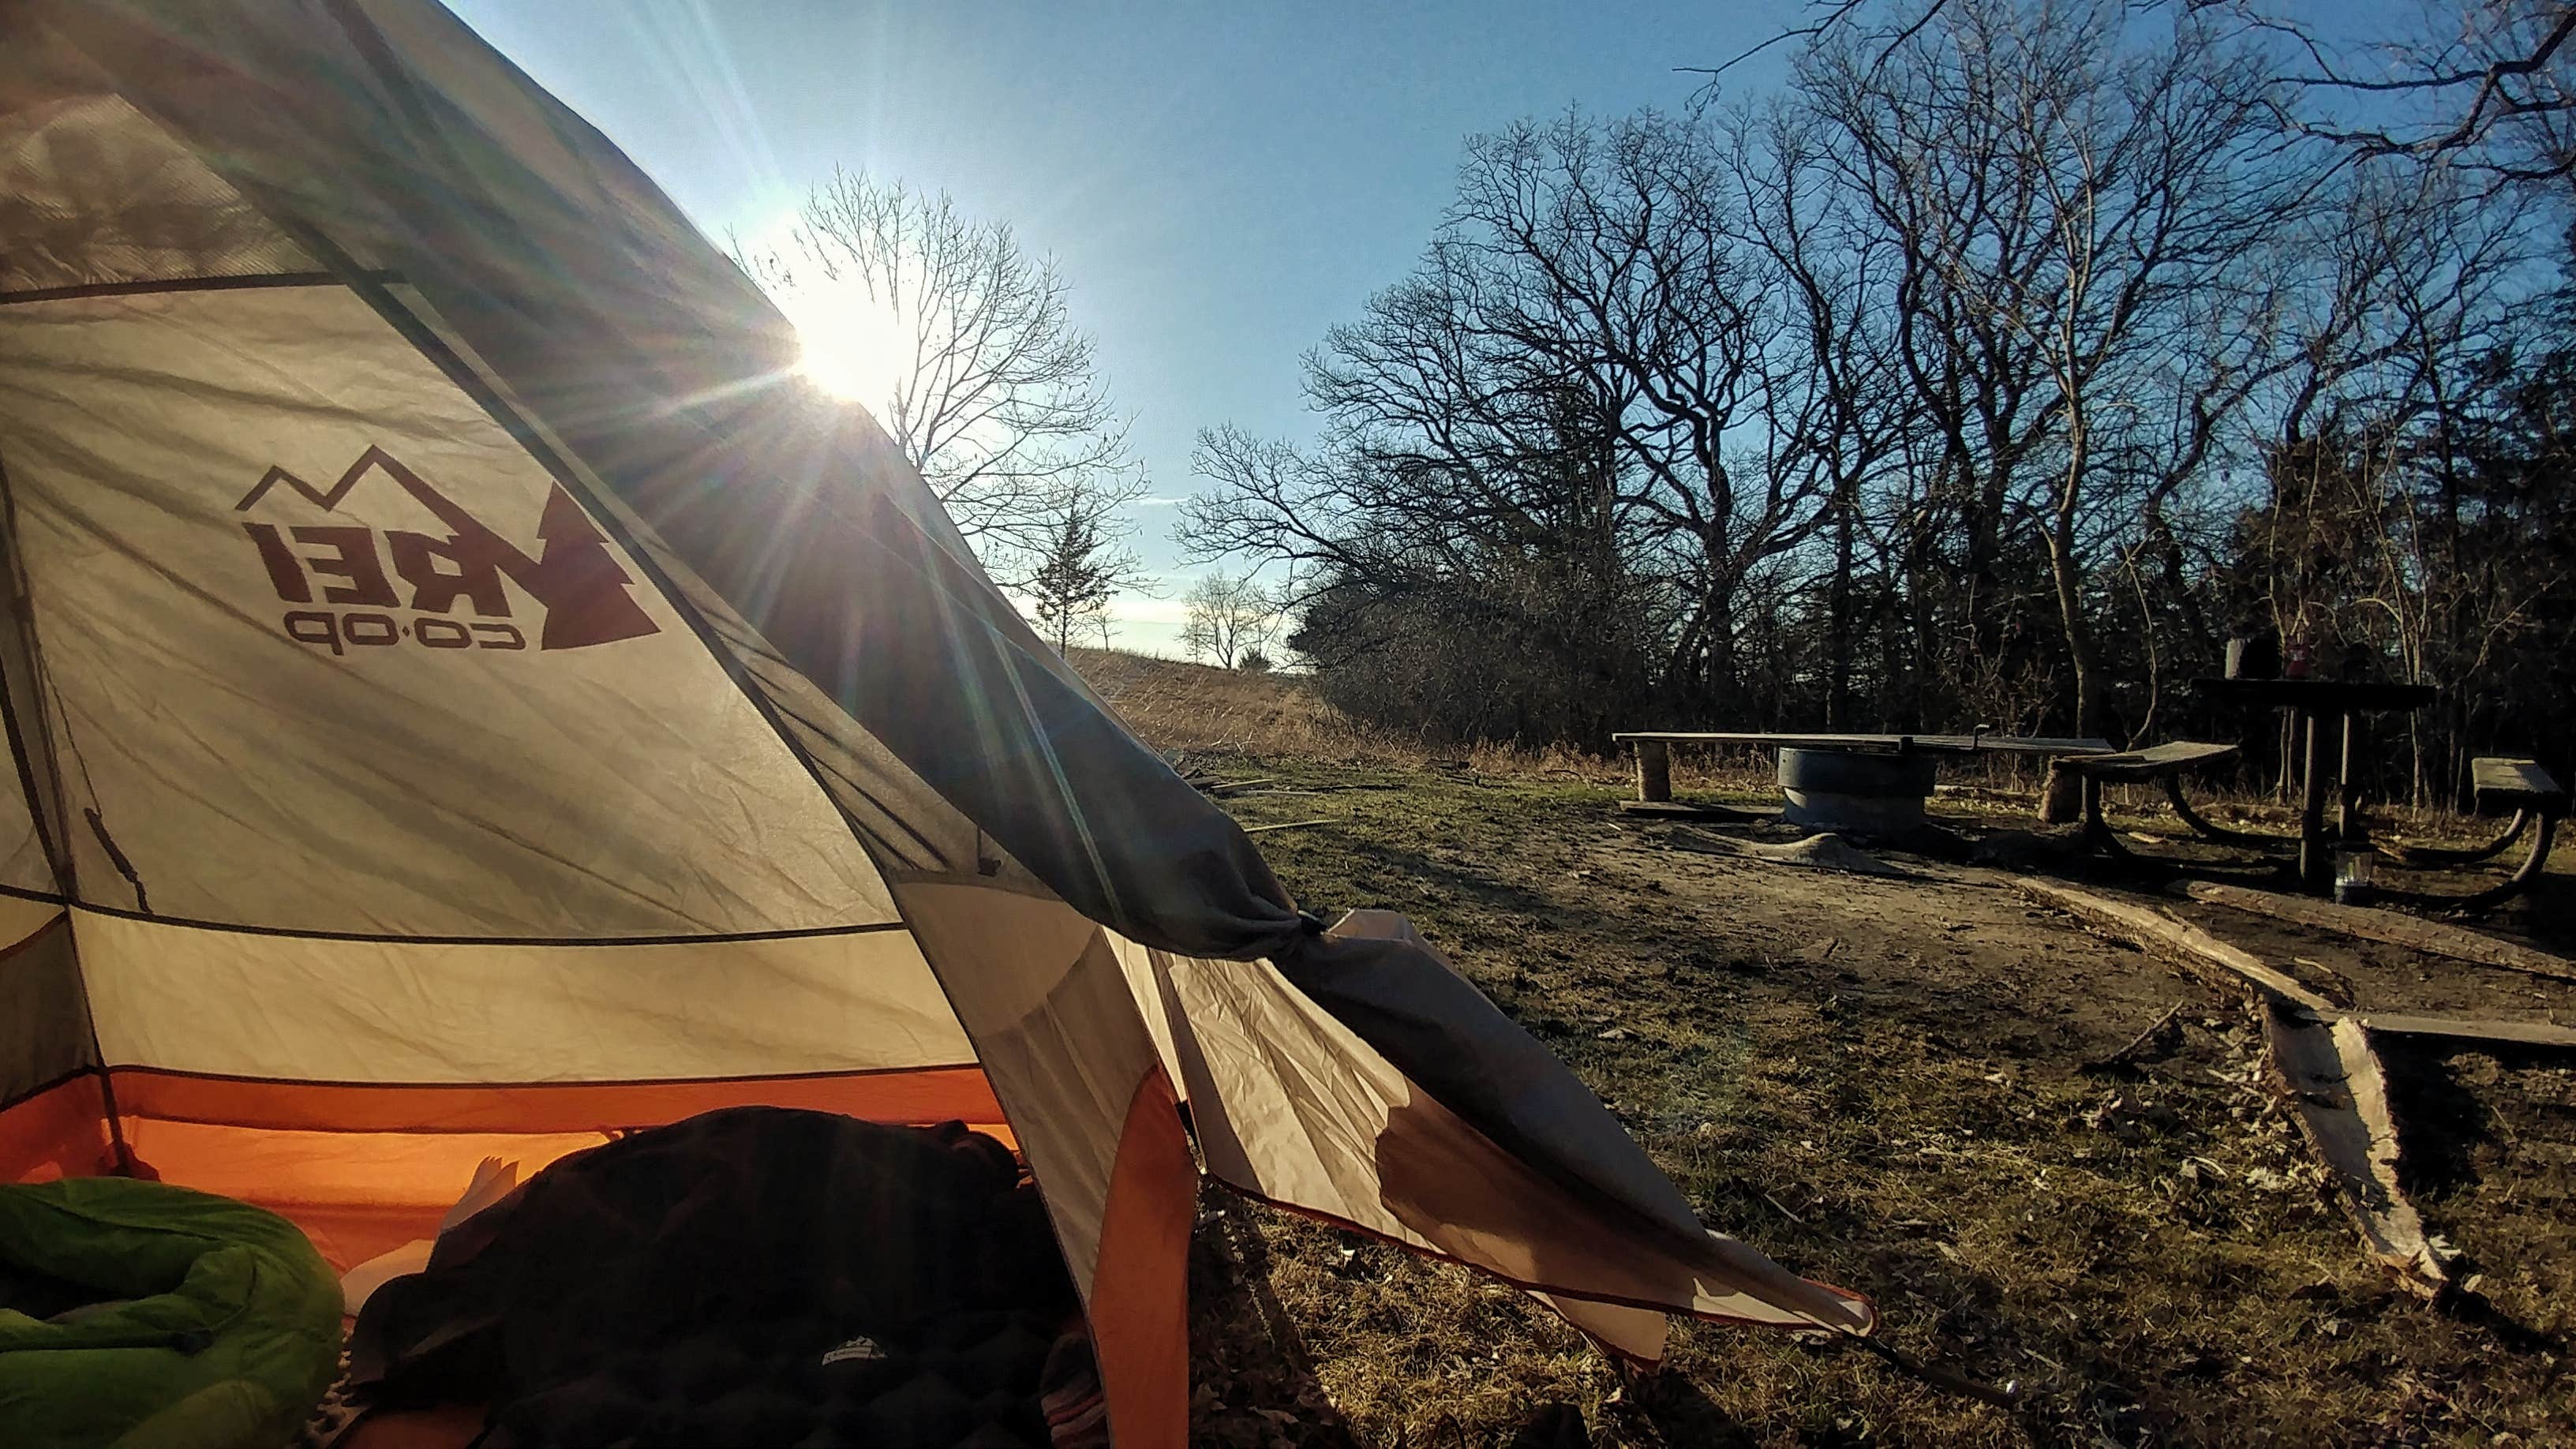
{"x":1833,"y":400}
{"x":1615,"y":257}
{"x":987,"y":385}
{"x":2082,"y":220}
{"x":2373,"y":534}
{"x":1230,"y":617}
{"x":1950,"y":385}
{"x":2483,"y":84}
{"x":2487,"y":85}
{"x":1562,"y":394}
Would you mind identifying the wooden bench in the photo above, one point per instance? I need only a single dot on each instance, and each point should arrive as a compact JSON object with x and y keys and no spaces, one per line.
{"x":2538,"y":803}
{"x":2521,"y":785}
{"x":1835,"y":781}
{"x":2165,"y":764}
{"x":2496,"y":785}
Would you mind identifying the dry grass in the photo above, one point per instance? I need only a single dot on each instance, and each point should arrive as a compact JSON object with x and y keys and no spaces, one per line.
{"x":1881,"y":1083}
{"x":1200,"y":709}
{"x":1204,"y":714}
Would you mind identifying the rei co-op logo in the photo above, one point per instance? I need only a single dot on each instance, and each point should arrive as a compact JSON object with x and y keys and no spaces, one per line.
{"x":353,"y":586}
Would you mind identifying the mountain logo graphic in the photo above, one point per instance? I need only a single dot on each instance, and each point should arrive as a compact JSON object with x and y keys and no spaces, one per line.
{"x":350,"y":581}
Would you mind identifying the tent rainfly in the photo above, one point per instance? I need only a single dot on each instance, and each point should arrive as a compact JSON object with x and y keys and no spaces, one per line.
{"x":466,"y":694}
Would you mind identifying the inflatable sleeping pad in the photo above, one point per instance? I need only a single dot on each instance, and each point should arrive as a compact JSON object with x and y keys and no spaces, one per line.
{"x":136,"y":1315}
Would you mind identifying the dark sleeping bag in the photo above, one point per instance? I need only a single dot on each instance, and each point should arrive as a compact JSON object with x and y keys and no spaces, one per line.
{"x":754,"y":1276}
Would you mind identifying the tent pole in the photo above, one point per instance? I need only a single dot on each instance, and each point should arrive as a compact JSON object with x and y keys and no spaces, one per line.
{"x":127,"y":1164}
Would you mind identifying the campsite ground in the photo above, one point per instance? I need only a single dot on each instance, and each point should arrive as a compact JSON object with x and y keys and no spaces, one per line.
{"x":1883,"y":1083}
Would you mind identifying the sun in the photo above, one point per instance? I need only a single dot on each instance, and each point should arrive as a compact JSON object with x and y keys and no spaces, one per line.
{"x":851,"y":345}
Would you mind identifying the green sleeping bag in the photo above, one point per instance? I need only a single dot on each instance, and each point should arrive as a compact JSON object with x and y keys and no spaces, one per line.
{"x":220,"y":1327}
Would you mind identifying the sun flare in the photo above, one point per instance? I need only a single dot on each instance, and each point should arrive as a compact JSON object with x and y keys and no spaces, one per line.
{"x":851,"y":345}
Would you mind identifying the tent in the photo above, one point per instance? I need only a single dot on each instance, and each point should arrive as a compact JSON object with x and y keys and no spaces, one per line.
{"x":466,"y":695}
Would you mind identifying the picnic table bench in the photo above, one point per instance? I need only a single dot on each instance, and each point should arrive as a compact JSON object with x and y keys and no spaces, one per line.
{"x":2165,"y":764}
{"x":2538,"y":802}
{"x":1845,"y":781}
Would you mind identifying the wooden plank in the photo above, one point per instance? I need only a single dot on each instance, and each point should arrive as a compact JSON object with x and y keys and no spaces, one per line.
{"x":2194,"y":949}
{"x":2329,"y":1073}
{"x":2338,"y":1095}
{"x":2514,"y":784}
{"x":2134,"y":766}
{"x":1285,"y":825}
{"x":2510,"y":1033}
{"x":1893,"y":744}
{"x":2392,"y":927}
{"x":1793,"y":741}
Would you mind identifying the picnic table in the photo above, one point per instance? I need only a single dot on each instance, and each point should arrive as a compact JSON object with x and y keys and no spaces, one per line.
{"x":1845,"y":781}
{"x":2312,"y":703}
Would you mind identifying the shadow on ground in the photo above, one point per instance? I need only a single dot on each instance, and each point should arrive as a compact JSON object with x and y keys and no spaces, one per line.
{"x":1881,"y":1084}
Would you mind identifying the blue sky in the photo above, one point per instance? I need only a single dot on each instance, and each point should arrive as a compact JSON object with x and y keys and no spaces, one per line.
{"x":1220,"y":182}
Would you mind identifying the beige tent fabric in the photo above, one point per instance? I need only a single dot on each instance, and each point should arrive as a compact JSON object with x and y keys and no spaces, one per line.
{"x":22,"y":920}
{"x":23,"y":864}
{"x":91,"y":194}
{"x":1292,"y":1106}
{"x":289,"y":676}
{"x":298,"y":1008}
{"x":667,"y":808}
{"x":31,"y":825}
{"x":44,"y":1022}
{"x":1056,"y":1029}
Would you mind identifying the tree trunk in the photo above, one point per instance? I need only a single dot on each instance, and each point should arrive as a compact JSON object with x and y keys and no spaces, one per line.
{"x":1720,"y":615}
{"x":2081,"y":655}
{"x":1985,"y":577}
{"x":1919,"y":635}
{"x":2195,"y":621}
{"x":1838,"y":604}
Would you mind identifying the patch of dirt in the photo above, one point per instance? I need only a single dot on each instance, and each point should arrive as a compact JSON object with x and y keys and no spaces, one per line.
{"x":1882,"y":1083}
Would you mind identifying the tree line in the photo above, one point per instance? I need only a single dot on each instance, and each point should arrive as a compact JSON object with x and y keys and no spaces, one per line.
{"x":1995,"y":368}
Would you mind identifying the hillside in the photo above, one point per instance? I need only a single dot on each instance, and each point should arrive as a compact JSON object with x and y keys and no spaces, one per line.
{"x":1185,"y":708}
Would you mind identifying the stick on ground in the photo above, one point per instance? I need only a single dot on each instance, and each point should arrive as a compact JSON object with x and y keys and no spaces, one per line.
{"x":2162,"y":1033}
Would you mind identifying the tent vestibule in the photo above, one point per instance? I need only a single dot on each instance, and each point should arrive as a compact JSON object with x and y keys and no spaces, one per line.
{"x":467,"y":696}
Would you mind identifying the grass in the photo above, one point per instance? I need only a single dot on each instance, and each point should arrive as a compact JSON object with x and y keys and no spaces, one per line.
{"x":1881,"y":1084}
{"x":1199,"y":713}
